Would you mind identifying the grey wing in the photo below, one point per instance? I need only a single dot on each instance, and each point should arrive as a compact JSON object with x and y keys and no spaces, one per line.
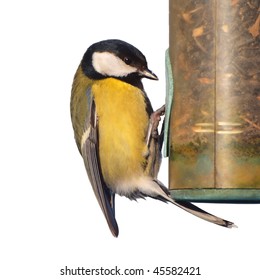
{"x":154,"y":158}
{"x":90,"y":154}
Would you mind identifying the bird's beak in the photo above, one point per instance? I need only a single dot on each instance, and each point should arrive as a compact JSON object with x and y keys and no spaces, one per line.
{"x":146,"y":73}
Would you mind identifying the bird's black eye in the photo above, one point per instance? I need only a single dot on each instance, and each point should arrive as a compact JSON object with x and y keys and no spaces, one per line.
{"x":127,"y":60}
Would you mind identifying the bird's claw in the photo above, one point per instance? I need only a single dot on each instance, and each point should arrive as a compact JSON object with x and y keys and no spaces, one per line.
{"x":155,"y":119}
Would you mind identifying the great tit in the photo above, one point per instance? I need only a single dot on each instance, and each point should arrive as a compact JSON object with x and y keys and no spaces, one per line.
{"x":115,"y":129}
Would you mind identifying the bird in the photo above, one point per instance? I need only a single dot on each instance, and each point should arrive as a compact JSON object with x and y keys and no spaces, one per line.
{"x":116,"y":129}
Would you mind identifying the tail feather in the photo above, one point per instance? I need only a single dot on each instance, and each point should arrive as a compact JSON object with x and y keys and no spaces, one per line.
{"x":191,"y":208}
{"x":164,"y":194}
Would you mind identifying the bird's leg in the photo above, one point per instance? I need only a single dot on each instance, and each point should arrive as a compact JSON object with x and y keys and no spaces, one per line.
{"x":153,"y":124}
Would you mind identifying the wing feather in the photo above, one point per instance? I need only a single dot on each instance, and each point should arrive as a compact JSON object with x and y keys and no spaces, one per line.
{"x":90,"y":154}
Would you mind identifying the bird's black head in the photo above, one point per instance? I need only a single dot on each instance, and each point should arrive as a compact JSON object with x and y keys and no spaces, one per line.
{"x":118,"y":59}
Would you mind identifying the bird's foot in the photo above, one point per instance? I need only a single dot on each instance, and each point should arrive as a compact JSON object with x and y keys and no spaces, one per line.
{"x":155,"y":119}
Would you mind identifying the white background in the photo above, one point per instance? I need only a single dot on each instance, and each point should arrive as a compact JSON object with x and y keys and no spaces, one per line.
{"x":49,"y":215}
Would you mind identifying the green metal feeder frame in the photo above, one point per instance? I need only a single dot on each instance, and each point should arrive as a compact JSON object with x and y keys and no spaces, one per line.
{"x":213,"y":101}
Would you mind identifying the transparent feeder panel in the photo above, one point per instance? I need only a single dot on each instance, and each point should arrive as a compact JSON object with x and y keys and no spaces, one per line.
{"x":215,"y":117}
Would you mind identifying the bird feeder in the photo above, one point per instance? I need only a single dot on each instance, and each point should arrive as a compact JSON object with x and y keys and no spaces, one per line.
{"x":214,"y":100}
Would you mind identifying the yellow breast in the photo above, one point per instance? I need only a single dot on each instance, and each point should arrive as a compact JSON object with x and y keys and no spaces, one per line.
{"x":122,"y":122}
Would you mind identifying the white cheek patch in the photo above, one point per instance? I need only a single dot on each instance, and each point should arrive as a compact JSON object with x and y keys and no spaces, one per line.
{"x":109,"y":64}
